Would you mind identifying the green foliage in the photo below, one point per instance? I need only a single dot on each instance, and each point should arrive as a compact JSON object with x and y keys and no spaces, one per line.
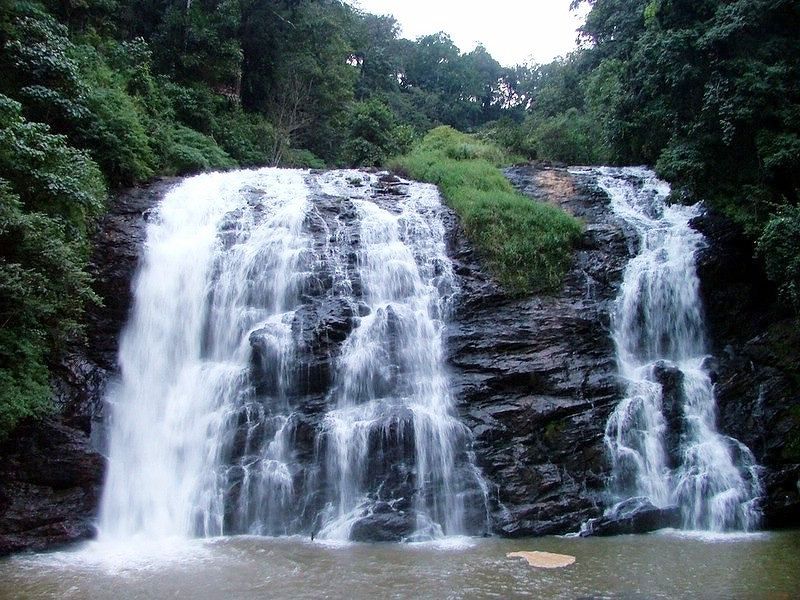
{"x":527,"y":244}
{"x":49,"y":195}
{"x":197,"y":41}
{"x":302,"y":159}
{"x":708,"y":92}
{"x":119,"y":141}
{"x":49,"y":176}
{"x":569,"y":137}
{"x":43,"y":289}
{"x":778,"y":246}
{"x":373,"y":134}
{"x":190,"y":151}
{"x":514,"y":136}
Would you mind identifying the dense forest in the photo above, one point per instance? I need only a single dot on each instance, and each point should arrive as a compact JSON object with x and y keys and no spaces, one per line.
{"x":103,"y":94}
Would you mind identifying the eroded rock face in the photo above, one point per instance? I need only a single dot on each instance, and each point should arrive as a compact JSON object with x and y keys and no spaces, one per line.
{"x":51,"y":472}
{"x":756,"y":346}
{"x":536,"y":377}
{"x":50,"y":480}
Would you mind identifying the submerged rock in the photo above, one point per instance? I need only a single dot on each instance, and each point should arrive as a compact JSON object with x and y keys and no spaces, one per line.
{"x":544,"y":560}
{"x":635,"y":515}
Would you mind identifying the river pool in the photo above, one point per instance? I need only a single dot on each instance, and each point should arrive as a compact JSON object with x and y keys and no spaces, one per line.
{"x":660,"y":565}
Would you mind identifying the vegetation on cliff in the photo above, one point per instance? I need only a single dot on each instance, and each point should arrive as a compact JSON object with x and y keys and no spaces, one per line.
{"x":526,"y":244}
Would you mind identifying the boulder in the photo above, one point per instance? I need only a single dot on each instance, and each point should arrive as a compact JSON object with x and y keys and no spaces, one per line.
{"x":635,"y":515}
{"x":384,"y":527}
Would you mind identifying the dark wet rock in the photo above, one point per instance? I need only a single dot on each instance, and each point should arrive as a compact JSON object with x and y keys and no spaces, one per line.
{"x":635,"y":515}
{"x":672,"y":399}
{"x":382,"y":526}
{"x":115,"y":257}
{"x":51,"y":471}
{"x":535,"y":378}
{"x":756,"y":346}
{"x":50,"y":480}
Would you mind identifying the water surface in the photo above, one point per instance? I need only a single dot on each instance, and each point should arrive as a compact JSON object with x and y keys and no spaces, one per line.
{"x":660,"y":565}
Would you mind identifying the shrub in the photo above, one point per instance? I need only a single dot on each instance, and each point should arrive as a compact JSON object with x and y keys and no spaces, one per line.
{"x":302,"y":159}
{"x":569,"y":138}
{"x":48,"y":175}
{"x":526,"y":244}
{"x":373,"y":134}
{"x":190,"y":151}
{"x":778,"y":246}
{"x":248,"y":138}
{"x":117,"y":137}
{"x":43,"y":289}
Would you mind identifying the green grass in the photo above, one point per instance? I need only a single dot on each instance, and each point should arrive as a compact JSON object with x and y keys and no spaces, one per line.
{"x":526,"y":244}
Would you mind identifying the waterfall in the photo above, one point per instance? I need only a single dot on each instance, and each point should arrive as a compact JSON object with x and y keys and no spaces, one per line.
{"x":662,"y":436}
{"x":392,"y":395}
{"x":282,"y":369}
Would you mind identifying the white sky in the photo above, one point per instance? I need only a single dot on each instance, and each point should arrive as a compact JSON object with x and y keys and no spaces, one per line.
{"x":513,"y":31}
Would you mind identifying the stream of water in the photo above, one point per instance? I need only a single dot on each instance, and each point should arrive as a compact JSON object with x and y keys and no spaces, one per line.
{"x":662,"y":437}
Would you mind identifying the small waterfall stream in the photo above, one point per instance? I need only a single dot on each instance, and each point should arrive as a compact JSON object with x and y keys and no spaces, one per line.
{"x":282,"y":370}
{"x":662,"y":436}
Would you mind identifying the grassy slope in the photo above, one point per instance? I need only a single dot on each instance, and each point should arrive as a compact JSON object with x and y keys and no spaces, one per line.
{"x":526,"y":244}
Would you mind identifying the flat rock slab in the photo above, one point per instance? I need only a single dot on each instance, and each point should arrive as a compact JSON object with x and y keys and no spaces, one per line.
{"x":544,"y":560}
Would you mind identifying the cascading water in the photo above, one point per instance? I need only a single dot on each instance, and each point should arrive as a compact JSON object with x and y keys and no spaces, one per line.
{"x":215,"y":268}
{"x":391,"y":396}
{"x":282,"y":369}
{"x":662,"y":436}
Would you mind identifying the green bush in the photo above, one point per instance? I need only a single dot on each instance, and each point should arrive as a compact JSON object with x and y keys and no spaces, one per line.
{"x":190,"y":151}
{"x":43,"y":289}
{"x":569,"y":138}
{"x":507,"y":133}
{"x":373,"y":134}
{"x":48,"y":175}
{"x":778,"y":246}
{"x":49,"y":197}
{"x":526,"y":244}
{"x":118,"y":139}
{"x":247,"y":137}
{"x":302,"y":159}
{"x":194,"y":106}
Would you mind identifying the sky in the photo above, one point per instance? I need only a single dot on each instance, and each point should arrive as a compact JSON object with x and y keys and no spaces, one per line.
{"x":513,"y":31}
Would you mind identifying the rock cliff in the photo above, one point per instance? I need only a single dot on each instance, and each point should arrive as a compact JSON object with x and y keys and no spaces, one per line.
{"x":535,"y":378}
{"x":756,"y":347}
{"x":51,"y":472}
